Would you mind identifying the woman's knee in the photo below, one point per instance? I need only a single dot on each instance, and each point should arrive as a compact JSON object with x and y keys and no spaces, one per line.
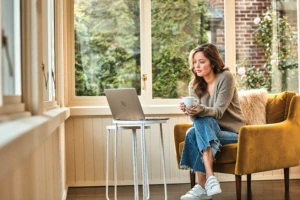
{"x":190,"y":132}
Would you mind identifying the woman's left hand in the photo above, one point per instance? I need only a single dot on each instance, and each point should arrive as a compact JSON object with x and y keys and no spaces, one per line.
{"x":193,"y":110}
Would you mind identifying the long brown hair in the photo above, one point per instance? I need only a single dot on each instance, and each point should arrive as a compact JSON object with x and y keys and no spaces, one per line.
{"x":211,"y":52}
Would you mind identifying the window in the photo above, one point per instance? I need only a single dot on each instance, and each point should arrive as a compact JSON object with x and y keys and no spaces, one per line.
{"x":151,"y":53}
{"x":107,"y":46}
{"x":48,"y":63}
{"x":11,"y":52}
{"x":267,"y":47}
{"x":140,"y":44}
{"x":10,"y":62}
{"x":176,"y":28}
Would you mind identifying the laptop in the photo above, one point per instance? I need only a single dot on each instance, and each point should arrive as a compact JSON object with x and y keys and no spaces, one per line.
{"x":125,"y":105}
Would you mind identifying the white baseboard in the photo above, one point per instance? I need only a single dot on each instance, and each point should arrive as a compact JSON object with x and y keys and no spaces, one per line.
{"x":65,"y":193}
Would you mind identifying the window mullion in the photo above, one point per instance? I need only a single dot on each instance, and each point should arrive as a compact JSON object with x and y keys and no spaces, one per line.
{"x":32,"y":56}
{"x":146,"y":49}
{"x":59,"y":51}
{"x":229,"y":21}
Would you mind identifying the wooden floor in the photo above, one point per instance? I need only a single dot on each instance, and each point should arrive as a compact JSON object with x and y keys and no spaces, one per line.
{"x":261,"y":190}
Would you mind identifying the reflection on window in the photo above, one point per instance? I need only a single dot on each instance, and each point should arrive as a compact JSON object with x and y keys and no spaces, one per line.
{"x":266,"y":39}
{"x":178,"y":27}
{"x":107,"y":46}
{"x":11,"y":55}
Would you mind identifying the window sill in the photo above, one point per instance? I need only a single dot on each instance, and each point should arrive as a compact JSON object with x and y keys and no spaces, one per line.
{"x":13,"y":116}
{"x":104,"y":110}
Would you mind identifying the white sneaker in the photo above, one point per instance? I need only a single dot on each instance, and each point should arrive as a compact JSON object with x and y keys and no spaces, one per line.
{"x":212,"y":186}
{"x":196,"y":193}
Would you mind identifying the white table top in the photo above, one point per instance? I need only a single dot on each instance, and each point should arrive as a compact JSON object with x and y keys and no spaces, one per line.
{"x":133,"y":122}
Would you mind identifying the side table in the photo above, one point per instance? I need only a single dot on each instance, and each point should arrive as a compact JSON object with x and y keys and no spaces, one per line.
{"x":134,"y":155}
{"x":134,"y":125}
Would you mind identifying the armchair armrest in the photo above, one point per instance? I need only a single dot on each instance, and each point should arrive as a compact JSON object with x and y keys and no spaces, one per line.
{"x":270,"y":146}
{"x":179,"y":136}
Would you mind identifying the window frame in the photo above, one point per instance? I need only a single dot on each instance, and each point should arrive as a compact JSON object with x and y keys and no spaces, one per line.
{"x":10,"y":105}
{"x":49,"y":47}
{"x":146,"y":58}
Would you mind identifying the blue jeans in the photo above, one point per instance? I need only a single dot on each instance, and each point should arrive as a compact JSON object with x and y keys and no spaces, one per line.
{"x":205,"y":133}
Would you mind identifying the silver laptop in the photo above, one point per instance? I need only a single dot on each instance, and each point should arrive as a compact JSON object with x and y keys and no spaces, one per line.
{"x":125,"y":105}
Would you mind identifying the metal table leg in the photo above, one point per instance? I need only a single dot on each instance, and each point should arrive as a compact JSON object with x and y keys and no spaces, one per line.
{"x":163,"y":160}
{"x":134,"y":158}
{"x":107,"y":161}
{"x":144,"y":163}
{"x":115,"y":160}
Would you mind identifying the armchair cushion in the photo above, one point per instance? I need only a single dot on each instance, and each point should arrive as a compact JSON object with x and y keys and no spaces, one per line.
{"x":253,"y":105}
{"x":278,"y":106}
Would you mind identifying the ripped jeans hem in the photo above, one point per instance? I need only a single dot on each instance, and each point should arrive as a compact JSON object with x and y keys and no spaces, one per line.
{"x":214,"y":148}
{"x":188,"y":168}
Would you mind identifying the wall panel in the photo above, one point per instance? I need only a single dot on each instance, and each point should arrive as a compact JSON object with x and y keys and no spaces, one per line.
{"x":40,"y":176}
{"x":86,"y":154}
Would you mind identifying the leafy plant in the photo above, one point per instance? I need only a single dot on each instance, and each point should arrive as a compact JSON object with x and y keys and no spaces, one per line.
{"x":106,"y":46}
{"x":177,"y":27}
{"x":250,"y":77}
{"x":274,"y":34}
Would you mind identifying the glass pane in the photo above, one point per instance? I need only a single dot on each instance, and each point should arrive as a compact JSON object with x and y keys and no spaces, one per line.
{"x":49,"y":50}
{"x":177,"y":28}
{"x":107,"y":45}
{"x":267,"y":45}
{"x":11,"y":56}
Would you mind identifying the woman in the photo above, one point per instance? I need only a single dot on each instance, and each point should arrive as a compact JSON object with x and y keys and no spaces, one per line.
{"x":216,"y":119}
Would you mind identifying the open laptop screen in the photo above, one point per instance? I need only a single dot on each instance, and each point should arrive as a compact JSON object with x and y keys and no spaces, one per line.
{"x":124,"y":104}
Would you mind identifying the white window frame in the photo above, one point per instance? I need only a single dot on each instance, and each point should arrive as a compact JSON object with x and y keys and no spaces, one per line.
{"x":49,"y":51}
{"x":150,"y":105}
{"x":11,"y":106}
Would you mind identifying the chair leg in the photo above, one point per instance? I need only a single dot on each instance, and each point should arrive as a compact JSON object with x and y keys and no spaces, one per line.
{"x":248,"y":184}
{"x":238,"y":184}
{"x":286,"y":179}
{"x":192,"y":178}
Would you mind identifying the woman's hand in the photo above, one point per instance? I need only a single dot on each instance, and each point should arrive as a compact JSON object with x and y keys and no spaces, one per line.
{"x":192,"y":110}
{"x":182,"y":107}
{"x":189,"y":111}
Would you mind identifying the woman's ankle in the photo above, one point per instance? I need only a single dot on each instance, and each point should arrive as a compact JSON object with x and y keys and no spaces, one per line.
{"x":208,"y":175}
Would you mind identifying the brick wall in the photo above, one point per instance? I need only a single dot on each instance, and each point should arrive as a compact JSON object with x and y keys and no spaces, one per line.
{"x":245,"y":12}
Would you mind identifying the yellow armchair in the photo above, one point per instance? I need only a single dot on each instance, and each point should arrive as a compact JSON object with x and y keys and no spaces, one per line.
{"x":275,"y":145}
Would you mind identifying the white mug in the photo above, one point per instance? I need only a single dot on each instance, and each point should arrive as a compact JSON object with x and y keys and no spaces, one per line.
{"x":189,"y":101}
